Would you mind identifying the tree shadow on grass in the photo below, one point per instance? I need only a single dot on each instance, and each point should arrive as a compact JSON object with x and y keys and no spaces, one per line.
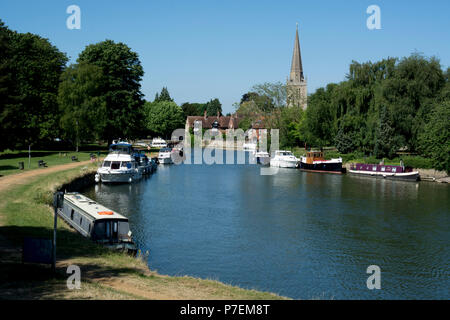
{"x":4,"y":168}
{"x":20,"y":280}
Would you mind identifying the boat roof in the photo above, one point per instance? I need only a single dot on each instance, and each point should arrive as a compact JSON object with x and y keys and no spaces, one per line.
{"x":91,"y":207}
{"x":119,"y":157}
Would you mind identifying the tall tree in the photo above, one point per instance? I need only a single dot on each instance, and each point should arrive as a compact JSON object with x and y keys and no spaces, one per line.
{"x":36,"y":69}
{"x":213,"y":107}
{"x":9,"y":108}
{"x":82,"y":104}
{"x":163,"y":96}
{"x":121,"y":91}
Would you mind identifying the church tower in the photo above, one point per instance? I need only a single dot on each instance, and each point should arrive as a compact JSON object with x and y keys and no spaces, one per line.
{"x":296,"y":83}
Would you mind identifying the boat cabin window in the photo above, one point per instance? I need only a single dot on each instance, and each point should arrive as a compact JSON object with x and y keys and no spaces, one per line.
{"x":383,"y":169}
{"x":374,"y":168}
{"x":126,"y":164}
{"x":394,"y":169}
{"x":107,"y":164}
{"x":71,"y":214}
{"x":115,"y":165}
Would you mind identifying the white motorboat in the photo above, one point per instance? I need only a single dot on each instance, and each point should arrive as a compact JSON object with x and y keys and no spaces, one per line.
{"x":159,"y":143}
{"x":249,"y":146}
{"x":262,"y":157}
{"x":284,"y":159}
{"x":165,"y":156}
{"x":119,"y":166}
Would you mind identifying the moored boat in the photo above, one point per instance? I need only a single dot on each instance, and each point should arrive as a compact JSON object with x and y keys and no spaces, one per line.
{"x":284,"y":159}
{"x":384,"y":172}
{"x":119,"y":166}
{"x":97,"y":222}
{"x":262,"y":157}
{"x":315,"y":162}
{"x":158,"y":143}
{"x":165,"y":156}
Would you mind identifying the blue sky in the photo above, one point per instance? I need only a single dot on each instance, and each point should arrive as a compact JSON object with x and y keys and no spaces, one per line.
{"x":207,"y":49}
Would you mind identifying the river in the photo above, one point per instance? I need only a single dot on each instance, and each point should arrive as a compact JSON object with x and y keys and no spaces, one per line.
{"x":301,"y":235}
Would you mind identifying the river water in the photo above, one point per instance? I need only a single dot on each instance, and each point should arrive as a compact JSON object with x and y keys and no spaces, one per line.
{"x":301,"y":235}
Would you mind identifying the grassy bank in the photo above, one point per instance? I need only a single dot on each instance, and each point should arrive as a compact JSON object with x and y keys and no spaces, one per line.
{"x":25,"y":212}
{"x":9,"y":160}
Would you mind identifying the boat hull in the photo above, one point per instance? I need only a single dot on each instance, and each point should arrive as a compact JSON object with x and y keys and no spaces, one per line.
{"x":122,"y":177}
{"x":264,"y":161}
{"x":404,"y":176}
{"x":165,"y":160}
{"x":283,"y":164}
{"x":334,"y":167}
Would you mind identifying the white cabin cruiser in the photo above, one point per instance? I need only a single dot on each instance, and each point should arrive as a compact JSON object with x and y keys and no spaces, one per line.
{"x":165,"y":156}
{"x":249,"y":146}
{"x":284,"y":159}
{"x":262,"y":157}
{"x":119,"y":166}
{"x":158,"y":143}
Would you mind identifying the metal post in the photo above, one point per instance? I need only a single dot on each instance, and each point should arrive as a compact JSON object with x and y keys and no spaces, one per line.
{"x":29,"y":156}
{"x":58,"y":197}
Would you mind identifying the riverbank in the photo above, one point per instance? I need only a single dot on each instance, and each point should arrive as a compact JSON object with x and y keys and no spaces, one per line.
{"x":25,"y":210}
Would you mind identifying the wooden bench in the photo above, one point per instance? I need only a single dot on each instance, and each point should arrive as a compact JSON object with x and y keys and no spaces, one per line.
{"x":74,"y":158}
{"x":42,"y":163}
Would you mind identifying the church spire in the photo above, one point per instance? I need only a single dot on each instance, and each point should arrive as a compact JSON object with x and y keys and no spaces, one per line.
{"x":296,"y":66}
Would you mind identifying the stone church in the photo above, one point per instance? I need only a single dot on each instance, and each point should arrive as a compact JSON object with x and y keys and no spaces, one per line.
{"x":296,"y":83}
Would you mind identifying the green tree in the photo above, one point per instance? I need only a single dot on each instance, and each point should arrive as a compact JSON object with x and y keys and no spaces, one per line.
{"x":193,"y":109}
{"x":163,"y":96}
{"x":213,"y":107}
{"x":36,"y":66}
{"x":121,"y":90}
{"x":435,"y":138}
{"x":10,"y":113}
{"x":162,"y":118}
{"x":82,"y":104}
{"x":385,"y":143}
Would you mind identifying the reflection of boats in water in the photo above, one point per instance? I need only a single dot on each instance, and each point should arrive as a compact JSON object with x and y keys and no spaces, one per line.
{"x":385,"y":172}
{"x":97,"y":222}
{"x":315,"y":162}
{"x":120,"y":165}
{"x":284,"y":159}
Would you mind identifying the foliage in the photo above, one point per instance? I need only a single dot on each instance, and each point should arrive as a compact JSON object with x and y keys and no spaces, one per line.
{"x":163,"y":96}
{"x":162,"y":118}
{"x":213,"y":107}
{"x":30,"y":70}
{"x":435,"y":138}
{"x":122,"y":73}
{"x":82,"y":105}
{"x":193,"y":109}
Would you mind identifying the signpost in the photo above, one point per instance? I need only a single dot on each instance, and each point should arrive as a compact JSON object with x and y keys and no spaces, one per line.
{"x":58,"y":200}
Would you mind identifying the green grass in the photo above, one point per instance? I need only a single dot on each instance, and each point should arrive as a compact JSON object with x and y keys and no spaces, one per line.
{"x":28,"y":214}
{"x":9,"y":160}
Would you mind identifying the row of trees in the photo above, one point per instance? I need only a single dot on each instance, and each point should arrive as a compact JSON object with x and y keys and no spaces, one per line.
{"x":97,"y":98}
{"x":380,"y":108}
{"x":212,"y":107}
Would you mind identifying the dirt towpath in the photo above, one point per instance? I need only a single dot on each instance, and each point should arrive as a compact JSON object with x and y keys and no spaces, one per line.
{"x":12,"y":180}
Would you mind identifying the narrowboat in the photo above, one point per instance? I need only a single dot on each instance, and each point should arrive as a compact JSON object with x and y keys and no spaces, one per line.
{"x":120,"y":165}
{"x":284,"y":159}
{"x":97,"y":222}
{"x":385,"y":172}
{"x":315,"y":162}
